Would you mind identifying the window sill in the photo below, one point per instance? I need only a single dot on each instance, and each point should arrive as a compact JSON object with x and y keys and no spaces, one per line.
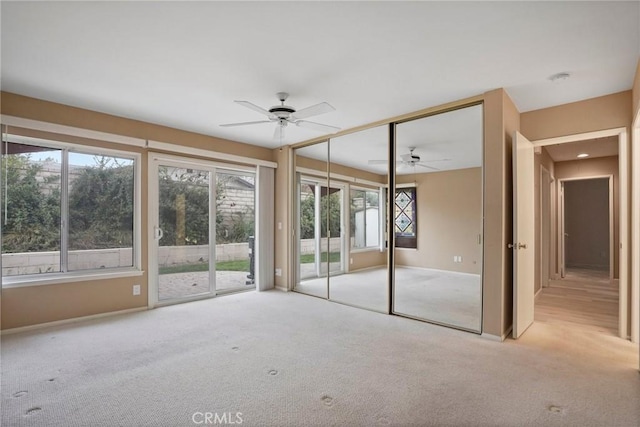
{"x":60,"y":278}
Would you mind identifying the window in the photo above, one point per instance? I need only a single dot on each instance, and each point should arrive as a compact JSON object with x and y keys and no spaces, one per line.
{"x":365,"y":219}
{"x":65,"y":208}
{"x":405,"y":218}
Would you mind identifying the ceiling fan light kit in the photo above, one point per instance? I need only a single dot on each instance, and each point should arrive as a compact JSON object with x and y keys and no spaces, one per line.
{"x":283,"y":114}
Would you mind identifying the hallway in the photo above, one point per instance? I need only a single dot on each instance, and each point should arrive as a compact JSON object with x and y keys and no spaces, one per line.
{"x":585,"y":299}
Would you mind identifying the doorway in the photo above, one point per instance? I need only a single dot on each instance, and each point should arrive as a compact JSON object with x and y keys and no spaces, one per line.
{"x":587,"y":228}
{"x":585,"y":294}
{"x":603,"y":278}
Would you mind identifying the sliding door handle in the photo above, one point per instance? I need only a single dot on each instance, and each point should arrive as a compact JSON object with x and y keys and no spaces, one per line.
{"x":158,"y":233}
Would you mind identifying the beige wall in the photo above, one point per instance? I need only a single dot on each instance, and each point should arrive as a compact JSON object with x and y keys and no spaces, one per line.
{"x":368,"y":259}
{"x":501,"y":120}
{"x":284,"y":223}
{"x":337,"y":169}
{"x":24,"y":306}
{"x":35,"y":109}
{"x":594,"y":167}
{"x":605,"y":112}
{"x":449,"y":221}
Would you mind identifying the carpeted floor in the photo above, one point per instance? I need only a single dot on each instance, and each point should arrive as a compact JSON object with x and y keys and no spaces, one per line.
{"x":438,"y":296}
{"x":286,"y":359}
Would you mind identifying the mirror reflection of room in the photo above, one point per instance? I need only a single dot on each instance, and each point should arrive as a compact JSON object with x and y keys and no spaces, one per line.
{"x":359,"y":162}
{"x":438,"y":218}
{"x":342,"y":202}
{"x":312,"y":207}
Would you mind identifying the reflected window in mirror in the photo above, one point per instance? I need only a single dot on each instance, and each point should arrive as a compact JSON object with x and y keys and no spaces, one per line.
{"x":365,"y":218}
{"x":406,"y":228}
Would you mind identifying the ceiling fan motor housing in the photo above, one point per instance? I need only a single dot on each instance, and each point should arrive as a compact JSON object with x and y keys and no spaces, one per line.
{"x":282,"y":111}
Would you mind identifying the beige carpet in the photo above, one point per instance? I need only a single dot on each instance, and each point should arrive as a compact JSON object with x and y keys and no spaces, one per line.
{"x":286,"y":359}
{"x":439,"y":296}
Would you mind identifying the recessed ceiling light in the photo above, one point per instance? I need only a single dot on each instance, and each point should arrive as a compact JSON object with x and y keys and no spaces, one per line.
{"x":583,"y":155}
{"x":559,"y":77}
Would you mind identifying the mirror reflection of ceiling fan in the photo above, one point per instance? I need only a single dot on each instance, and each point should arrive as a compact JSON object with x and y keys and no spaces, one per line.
{"x":284,"y":115}
{"x":410,"y":160}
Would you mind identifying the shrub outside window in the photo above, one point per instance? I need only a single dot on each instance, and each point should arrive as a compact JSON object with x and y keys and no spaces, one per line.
{"x":64,"y":209}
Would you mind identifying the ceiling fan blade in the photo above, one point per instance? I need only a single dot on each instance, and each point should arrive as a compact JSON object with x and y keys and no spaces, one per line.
{"x":245,"y":123}
{"x":428,"y":167}
{"x":317,"y":126}
{"x":435,"y":160}
{"x":254,"y":107}
{"x":314,"y":110}
{"x":278,"y":134}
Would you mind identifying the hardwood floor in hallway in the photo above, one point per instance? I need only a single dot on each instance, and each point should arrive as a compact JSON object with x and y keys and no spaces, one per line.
{"x":585,"y":299}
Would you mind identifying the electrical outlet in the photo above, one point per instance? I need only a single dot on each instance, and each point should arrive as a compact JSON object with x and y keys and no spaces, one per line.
{"x":459,"y":258}
{"x":278,"y":272}
{"x":136,"y":289}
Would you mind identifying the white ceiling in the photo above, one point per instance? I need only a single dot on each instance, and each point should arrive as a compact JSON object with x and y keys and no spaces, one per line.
{"x":182,"y":64}
{"x":446,"y":141}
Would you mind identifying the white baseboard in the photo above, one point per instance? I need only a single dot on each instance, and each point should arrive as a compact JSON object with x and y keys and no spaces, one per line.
{"x":67,"y":321}
{"x":282,"y":288}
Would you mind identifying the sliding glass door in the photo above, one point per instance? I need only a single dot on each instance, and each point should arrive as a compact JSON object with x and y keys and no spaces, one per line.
{"x":202,"y":224}
{"x":235,"y":231}
{"x":183,"y":235}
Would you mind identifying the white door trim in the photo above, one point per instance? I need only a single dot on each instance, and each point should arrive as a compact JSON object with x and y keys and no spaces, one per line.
{"x":635,"y":232}
{"x":623,"y":157}
{"x":545,"y":238}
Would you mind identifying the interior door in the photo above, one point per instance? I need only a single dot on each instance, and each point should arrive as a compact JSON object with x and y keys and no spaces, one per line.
{"x":523,"y":234}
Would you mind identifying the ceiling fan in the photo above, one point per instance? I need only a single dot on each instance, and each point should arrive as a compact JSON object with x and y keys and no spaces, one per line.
{"x":283,"y":114}
{"x":410,"y":160}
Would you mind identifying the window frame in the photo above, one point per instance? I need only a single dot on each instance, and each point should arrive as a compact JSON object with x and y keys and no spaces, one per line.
{"x":407,"y":242}
{"x":88,"y":274}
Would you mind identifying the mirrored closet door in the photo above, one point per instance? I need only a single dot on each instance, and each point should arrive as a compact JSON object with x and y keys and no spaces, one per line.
{"x":438,"y":218}
{"x":313,"y":249}
{"x":359,"y":163}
